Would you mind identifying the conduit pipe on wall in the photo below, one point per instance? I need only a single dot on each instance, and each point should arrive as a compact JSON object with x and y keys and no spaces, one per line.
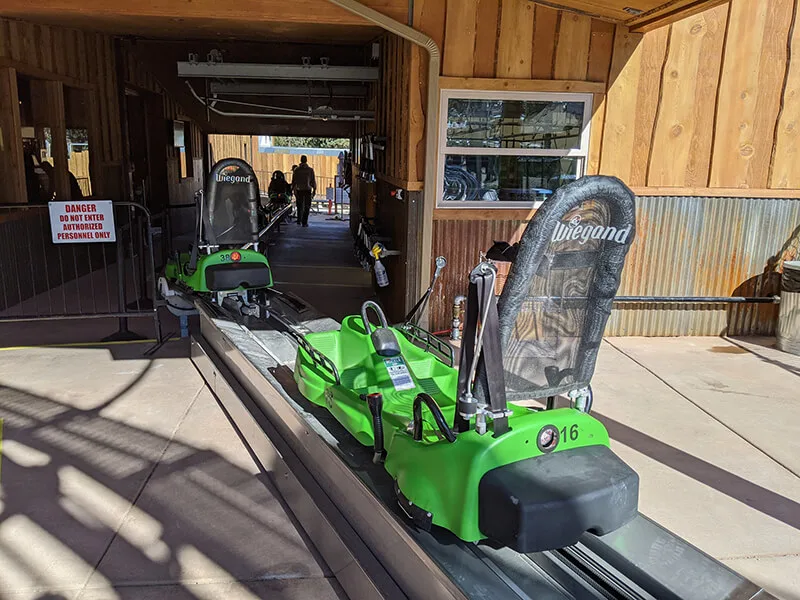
{"x":431,"y":123}
{"x":297,"y":115}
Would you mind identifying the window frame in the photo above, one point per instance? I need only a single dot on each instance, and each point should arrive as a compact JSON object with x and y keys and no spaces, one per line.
{"x":445,"y":95}
{"x":187,"y":149}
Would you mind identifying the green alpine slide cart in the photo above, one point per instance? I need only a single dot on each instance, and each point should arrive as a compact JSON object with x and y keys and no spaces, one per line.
{"x":225,"y":263}
{"x":502,"y":447}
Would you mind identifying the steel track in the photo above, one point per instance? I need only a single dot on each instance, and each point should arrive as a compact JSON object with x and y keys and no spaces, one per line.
{"x":578,"y":572}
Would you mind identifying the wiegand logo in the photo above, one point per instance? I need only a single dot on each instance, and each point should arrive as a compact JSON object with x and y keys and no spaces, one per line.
{"x":573,"y":230}
{"x":233,"y":178}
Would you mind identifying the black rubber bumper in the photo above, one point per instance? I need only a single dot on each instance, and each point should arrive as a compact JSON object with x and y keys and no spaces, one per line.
{"x":234,"y":275}
{"x":549,"y":501}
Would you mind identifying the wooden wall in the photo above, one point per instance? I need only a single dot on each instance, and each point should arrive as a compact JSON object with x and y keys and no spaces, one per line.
{"x":708,"y":105}
{"x":717,"y":101}
{"x":75,"y":58}
{"x":683,"y":108}
{"x":264,"y":164}
{"x":88,"y":61}
{"x":180,"y":191}
{"x":399,"y":116}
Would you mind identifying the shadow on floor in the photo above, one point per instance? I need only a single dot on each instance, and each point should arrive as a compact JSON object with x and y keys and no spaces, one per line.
{"x":89,"y":333}
{"x":69,"y":477}
{"x":759,"y":498}
{"x":772,"y":361}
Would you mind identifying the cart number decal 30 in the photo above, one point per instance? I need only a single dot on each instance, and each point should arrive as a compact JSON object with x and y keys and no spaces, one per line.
{"x":571,"y":435}
{"x":398,"y":371}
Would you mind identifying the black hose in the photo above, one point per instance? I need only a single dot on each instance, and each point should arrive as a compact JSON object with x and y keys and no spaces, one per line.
{"x":437,"y":416}
{"x":375,"y":404}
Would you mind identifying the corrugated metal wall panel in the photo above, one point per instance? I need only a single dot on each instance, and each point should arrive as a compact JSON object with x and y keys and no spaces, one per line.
{"x":698,"y":246}
{"x":685,"y":246}
{"x":461,"y":242}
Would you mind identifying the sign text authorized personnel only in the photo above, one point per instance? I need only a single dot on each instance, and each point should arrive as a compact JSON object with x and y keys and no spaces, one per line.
{"x":80,"y":222}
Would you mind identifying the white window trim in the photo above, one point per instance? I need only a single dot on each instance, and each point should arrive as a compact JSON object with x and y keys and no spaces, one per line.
{"x":447,"y":94}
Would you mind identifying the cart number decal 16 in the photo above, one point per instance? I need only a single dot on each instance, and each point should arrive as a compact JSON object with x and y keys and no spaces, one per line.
{"x":573,"y":432}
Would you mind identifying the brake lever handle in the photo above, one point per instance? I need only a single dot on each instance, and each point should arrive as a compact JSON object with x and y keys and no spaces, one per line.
{"x":441,"y":263}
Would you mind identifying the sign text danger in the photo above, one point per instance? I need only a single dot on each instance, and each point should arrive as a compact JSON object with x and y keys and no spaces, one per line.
{"x":91,"y":221}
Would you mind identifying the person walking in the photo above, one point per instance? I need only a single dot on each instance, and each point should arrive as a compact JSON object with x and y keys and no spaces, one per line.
{"x":304,"y":186}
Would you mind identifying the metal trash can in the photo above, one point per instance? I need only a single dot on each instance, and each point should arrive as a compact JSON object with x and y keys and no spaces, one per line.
{"x":788,"y":330}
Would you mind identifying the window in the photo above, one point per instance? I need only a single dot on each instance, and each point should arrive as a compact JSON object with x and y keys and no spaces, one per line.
{"x":77,"y":109}
{"x":510,"y":149}
{"x":182,"y":141}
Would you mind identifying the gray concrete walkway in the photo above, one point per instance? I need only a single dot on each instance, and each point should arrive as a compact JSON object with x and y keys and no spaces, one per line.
{"x":713,"y":428}
{"x":318,"y":264}
{"x":122,"y":478}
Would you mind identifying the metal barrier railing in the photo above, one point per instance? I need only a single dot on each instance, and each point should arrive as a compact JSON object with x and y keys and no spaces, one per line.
{"x":328,"y":190}
{"x":44,"y":281}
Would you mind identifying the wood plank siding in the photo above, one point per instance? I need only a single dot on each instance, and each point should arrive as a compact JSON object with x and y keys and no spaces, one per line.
{"x":61,"y":60}
{"x":706,"y":105}
{"x":682,"y":107}
{"x":74,"y":57}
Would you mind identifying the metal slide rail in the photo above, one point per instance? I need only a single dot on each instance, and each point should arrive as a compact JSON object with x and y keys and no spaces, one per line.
{"x":44,"y":281}
{"x":428,"y":342}
{"x":641,"y":561}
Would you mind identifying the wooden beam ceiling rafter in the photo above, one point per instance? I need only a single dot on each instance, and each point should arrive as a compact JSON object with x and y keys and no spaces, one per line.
{"x":638,"y":15}
{"x":256,"y":20}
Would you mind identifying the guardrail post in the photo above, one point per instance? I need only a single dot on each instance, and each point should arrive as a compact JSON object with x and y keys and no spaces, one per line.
{"x":153,"y":282}
{"x":123,"y":333}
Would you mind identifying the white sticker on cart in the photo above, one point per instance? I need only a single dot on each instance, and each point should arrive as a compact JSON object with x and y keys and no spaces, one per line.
{"x":398,"y":371}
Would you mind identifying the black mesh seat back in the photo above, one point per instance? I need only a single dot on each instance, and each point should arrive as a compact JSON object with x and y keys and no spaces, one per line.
{"x":560,"y":288}
{"x":230,"y":213}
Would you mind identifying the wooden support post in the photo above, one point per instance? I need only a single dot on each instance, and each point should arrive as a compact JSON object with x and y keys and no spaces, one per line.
{"x":48,"y":111}
{"x":12,"y":170}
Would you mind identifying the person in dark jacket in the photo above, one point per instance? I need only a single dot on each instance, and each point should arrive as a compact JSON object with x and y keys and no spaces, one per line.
{"x":304,"y":186}
{"x":278,"y":184}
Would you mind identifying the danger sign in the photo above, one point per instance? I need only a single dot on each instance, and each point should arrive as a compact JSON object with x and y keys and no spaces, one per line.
{"x":90,"y":221}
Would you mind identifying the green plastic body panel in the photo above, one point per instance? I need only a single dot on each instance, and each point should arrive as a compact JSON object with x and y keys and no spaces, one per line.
{"x":436,"y":475}
{"x":176,"y":271}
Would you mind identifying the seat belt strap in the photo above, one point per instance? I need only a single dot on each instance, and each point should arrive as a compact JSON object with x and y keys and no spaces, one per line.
{"x":481,"y":301}
{"x":492,"y":358}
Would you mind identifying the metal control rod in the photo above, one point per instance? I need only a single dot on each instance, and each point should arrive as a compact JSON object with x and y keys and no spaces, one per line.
{"x":670,"y":299}
{"x":701,"y":299}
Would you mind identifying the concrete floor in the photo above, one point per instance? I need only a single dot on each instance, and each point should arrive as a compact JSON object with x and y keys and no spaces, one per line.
{"x":712,"y":426}
{"x":122,"y":478}
{"x":127,"y":481}
{"x":318,"y":264}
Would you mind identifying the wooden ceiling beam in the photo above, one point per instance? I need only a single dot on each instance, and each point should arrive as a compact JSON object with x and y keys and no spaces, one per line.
{"x":275,"y":11}
{"x":639,"y":15}
{"x":244,"y":19}
{"x":669,"y":13}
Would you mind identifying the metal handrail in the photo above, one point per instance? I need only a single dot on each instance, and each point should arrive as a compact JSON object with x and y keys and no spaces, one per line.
{"x":428,"y":342}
